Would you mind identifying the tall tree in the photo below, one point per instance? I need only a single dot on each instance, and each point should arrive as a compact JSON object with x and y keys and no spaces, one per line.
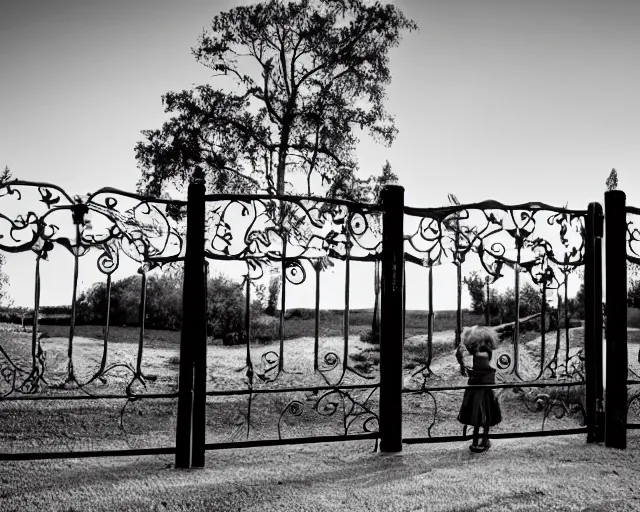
{"x":476,"y":287}
{"x":297,"y":79}
{"x":612,"y":180}
{"x":5,"y":300}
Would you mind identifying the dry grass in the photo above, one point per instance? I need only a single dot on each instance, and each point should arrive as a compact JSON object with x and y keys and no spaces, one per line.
{"x":73,"y":425}
{"x":543,"y":474}
{"x":552,"y":474}
{"x":298,"y":323}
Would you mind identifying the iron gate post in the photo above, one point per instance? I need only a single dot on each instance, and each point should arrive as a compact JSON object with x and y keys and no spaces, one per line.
{"x":200,"y":350}
{"x":599,"y":348}
{"x":191,"y":398}
{"x":392,"y":324}
{"x":593,"y":302}
{"x":616,"y":276}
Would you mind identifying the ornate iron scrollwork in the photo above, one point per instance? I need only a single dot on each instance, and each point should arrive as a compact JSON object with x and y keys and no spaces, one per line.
{"x":145,"y":231}
{"x":297,"y":234}
{"x":543,"y":242}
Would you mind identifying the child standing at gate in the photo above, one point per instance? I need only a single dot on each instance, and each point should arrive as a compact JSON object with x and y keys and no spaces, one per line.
{"x":480,"y":407}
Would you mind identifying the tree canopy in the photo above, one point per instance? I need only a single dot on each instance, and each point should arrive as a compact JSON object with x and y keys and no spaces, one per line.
{"x":295,"y":81}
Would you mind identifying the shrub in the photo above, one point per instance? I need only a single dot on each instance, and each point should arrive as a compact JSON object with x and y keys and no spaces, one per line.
{"x":233,"y":338}
{"x":273,"y":293}
{"x":476,"y":287}
{"x":225,"y":308}
{"x":264,"y":328}
{"x":304,"y":314}
{"x":370,"y":337}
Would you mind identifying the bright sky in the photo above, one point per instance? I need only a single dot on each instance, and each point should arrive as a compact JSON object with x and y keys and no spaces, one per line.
{"x":508,"y":100}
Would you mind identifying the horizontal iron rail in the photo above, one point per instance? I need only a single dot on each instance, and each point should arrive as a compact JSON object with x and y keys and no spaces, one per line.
{"x":633,"y":209}
{"x":271,"y":257}
{"x":104,"y":190}
{"x":38,"y":184}
{"x":148,"y":199}
{"x":505,"y":435}
{"x":633,"y":382}
{"x":633,"y":426}
{"x":444,"y":211}
{"x":633,"y":259}
{"x":87,"y":397}
{"x":289,"y":390}
{"x":293,"y":440}
{"x":85,"y":454}
{"x":257,"y":197}
{"x":496,"y":386}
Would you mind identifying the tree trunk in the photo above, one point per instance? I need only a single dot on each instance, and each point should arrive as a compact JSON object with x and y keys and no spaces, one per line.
{"x":509,"y":328}
{"x":287,"y":119}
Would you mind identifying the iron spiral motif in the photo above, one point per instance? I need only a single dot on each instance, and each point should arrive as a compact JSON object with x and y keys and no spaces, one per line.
{"x":262,"y":228}
{"x":633,"y":236}
{"x":299,"y":236}
{"x":633,"y":372}
{"x":108,"y":222}
{"x":544,"y":243}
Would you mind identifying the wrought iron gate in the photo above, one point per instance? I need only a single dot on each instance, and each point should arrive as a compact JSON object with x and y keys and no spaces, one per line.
{"x":558,"y":379}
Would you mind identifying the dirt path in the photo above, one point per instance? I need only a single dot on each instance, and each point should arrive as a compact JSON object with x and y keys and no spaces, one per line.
{"x":562,"y":474}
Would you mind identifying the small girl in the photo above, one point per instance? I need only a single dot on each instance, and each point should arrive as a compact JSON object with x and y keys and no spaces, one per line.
{"x":480,"y":407}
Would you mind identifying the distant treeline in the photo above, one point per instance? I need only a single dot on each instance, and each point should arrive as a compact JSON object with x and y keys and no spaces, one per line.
{"x":225,"y":305}
{"x":47,"y":315}
{"x":502,"y":305}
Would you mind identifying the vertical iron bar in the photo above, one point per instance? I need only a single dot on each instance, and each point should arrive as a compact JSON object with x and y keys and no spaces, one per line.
{"x":391,"y":343}
{"x":516,"y":326}
{"x":206,"y":299}
{"x":404,"y":299}
{"x":487,"y":321}
{"x":316,"y":344}
{"x":543,"y":325}
{"x":430,"y":320}
{"x":142,"y":317}
{"x":566,"y":320}
{"x":283,"y":302}
{"x":192,"y":348}
{"x":347,"y":282}
{"x":106,"y":326}
{"x":458,"y":333}
{"x":556,"y":354}
{"x":247,"y":318}
{"x":598,"y":234}
{"x":200,"y":347}
{"x":566,"y":323}
{"x":72,"y":326}
{"x":589,"y":325}
{"x":36,"y":310}
{"x":616,"y":258}
{"x":375,"y":323}
{"x":458,"y":262}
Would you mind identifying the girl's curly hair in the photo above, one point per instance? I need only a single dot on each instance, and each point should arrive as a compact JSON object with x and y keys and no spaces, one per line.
{"x":480,"y":339}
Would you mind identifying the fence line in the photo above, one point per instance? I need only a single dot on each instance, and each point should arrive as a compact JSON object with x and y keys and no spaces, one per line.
{"x":297,"y":231}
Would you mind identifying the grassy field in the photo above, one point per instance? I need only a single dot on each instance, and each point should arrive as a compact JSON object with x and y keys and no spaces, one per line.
{"x":116,"y":423}
{"x":562,"y":474}
{"x":298,"y":323}
{"x":311,"y":477}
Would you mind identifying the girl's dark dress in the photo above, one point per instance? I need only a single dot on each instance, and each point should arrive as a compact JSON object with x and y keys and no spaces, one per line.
{"x":480,"y":407}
